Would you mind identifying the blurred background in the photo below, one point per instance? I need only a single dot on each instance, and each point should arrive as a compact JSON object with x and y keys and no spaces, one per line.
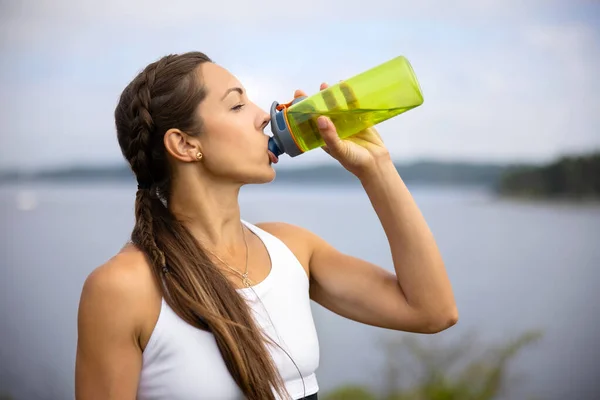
{"x":503,"y":158}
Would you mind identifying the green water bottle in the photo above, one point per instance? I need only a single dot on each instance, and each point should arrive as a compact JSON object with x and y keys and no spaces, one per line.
{"x":352,"y":105}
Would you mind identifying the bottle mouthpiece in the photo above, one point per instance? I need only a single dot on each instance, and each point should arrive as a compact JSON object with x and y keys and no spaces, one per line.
{"x":273,"y":148}
{"x":282,"y":140}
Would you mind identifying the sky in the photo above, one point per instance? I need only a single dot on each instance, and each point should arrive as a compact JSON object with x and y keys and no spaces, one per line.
{"x":503,"y":81}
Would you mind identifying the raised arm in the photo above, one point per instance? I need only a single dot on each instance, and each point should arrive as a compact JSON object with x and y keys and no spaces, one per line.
{"x":418,"y":297}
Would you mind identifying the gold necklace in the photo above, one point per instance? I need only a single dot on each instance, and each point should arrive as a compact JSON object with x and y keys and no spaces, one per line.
{"x":245,"y":280}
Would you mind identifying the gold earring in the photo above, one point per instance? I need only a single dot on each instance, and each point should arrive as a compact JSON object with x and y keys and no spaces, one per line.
{"x":199,"y":156}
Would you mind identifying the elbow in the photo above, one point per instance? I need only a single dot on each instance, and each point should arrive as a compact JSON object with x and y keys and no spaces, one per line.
{"x":441,"y":321}
{"x":450,"y":319}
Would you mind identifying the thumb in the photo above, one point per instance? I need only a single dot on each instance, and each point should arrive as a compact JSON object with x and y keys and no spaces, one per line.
{"x":299,"y":93}
{"x":329,"y":134}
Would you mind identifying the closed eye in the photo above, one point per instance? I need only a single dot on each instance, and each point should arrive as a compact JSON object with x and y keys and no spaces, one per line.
{"x":238,"y":107}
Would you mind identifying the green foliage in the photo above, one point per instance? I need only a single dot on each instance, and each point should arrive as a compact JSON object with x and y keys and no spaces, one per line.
{"x":570,"y":177}
{"x":351,"y":393}
{"x":451,"y":372}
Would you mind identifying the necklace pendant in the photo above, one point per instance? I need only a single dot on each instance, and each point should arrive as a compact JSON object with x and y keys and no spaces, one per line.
{"x":245,"y":280}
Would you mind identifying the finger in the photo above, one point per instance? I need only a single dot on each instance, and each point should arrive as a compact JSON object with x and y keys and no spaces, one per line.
{"x":299,"y":93}
{"x":349,"y":96}
{"x":329,"y":98}
{"x":329,"y":134}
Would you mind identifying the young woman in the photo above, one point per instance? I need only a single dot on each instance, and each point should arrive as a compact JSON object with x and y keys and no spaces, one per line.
{"x":204,"y":305}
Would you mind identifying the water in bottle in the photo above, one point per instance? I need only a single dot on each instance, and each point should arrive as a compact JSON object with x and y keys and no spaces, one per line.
{"x":352,"y":105}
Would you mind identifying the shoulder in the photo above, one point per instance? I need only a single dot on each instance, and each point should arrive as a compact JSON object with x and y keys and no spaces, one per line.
{"x":301,"y":241}
{"x":292,"y":235}
{"x":120,"y":291}
{"x":113,"y":322}
{"x":123,"y":278}
{"x":284,"y":229}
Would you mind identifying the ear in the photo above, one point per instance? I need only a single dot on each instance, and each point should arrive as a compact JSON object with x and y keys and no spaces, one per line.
{"x":181,"y":146}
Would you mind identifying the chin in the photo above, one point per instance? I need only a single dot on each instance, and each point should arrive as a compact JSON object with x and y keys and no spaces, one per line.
{"x":260,"y":176}
{"x":269,"y":175}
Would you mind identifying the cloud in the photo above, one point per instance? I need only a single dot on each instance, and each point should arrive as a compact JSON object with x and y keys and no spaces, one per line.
{"x":152,"y":11}
{"x":29,"y":20}
{"x":534,"y":95}
{"x":502,"y":80}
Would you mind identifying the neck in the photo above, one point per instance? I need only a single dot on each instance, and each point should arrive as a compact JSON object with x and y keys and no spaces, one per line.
{"x":210,"y":210}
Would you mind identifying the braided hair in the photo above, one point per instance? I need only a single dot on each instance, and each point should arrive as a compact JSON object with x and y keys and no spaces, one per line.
{"x":166,"y":95}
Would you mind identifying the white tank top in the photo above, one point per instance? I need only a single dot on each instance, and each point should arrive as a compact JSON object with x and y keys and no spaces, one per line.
{"x":182,"y":362}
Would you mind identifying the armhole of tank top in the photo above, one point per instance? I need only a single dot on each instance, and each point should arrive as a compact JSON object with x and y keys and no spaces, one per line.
{"x":276,"y":245}
{"x":156,"y":329}
{"x":157,"y":325}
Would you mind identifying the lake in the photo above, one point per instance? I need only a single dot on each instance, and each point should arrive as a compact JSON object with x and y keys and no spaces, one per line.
{"x":514,"y":266}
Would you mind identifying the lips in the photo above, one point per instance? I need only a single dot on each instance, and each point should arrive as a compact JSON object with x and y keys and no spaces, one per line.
{"x":274,"y":159}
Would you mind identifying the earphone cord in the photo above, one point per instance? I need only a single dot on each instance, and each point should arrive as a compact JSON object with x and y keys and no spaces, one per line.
{"x":277,"y":344}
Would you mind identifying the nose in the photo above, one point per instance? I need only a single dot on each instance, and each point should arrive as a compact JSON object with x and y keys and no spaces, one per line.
{"x":265,"y":118}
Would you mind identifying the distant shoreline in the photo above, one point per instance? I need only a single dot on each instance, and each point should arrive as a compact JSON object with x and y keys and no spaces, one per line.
{"x":426,"y":171}
{"x":568,"y":179}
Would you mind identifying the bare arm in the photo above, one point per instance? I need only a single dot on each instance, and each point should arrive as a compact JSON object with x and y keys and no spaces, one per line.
{"x":109,"y":357}
{"x":418,"y":297}
{"x":417,"y":260}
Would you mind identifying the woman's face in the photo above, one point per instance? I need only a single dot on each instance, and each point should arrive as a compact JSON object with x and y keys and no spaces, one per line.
{"x":233,"y":141}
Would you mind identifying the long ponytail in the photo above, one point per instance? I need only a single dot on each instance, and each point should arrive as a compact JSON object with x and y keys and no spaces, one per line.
{"x":165,"y":95}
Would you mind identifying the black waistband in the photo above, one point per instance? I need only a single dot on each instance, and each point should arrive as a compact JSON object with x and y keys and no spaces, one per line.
{"x":311,"y":397}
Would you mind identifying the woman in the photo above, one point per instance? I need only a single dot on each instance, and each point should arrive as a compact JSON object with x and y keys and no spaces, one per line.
{"x":202,"y":304}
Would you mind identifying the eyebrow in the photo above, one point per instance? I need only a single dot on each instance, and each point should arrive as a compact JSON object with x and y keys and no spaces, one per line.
{"x":233,"y":89}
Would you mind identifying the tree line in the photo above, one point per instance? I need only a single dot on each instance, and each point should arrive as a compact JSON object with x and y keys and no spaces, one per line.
{"x":575,"y":177}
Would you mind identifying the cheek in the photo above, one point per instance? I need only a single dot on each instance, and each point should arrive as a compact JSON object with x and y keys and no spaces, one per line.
{"x":233,"y":142}
{"x":221,"y":136}
{"x":241,"y":137}
{"x":226,"y":153}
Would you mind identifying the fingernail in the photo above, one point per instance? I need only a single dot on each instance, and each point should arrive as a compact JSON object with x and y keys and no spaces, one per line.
{"x":322,"y":122}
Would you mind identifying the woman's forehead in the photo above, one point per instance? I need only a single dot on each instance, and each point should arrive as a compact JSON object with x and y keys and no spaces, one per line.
{"x":217,"y":80}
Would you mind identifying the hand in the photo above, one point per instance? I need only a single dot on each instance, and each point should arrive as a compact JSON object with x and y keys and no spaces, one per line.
{"x":359,"y":153}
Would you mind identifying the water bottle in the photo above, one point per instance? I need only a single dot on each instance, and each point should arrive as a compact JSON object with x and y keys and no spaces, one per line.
{"x":353,"y":105}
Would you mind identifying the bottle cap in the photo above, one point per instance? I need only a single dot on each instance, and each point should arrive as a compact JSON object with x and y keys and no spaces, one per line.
{"x":282,"y":140}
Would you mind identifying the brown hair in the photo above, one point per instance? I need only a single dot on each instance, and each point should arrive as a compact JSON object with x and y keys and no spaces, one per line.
{"x":165,"y":95}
